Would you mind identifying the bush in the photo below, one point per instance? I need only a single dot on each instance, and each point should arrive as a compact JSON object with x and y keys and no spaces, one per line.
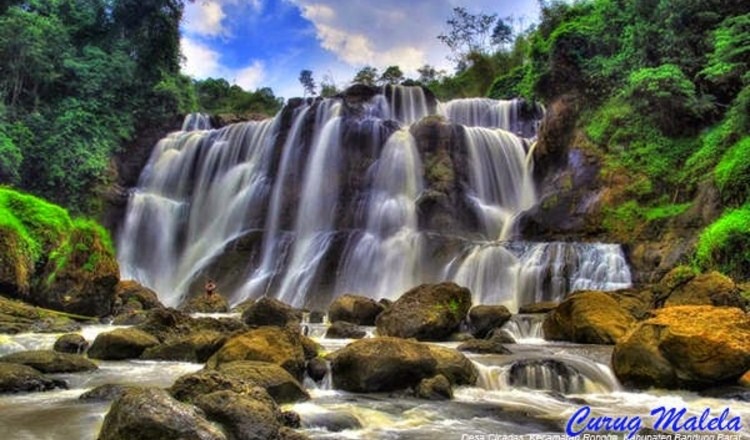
{"x":732,"y":173}
{"x":725,"y":244}
{"x":10,"y":160}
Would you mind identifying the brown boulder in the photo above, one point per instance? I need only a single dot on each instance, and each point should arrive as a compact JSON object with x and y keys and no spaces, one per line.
{"x":271,"y":312}
{"x":685,"y":347}
{"x":133,"y":296}
{"x":355,"y":309}
{"x":49,"y":361}
{"x":191,"y":386}
{"x":119,"y":344}
{"x":278,"y":382}
{"x":483,"y":319}
{"x":345,"y":330}
{"x":206,"y":304}
{"x":17,"y":378}
{"x":710,"y":288}
{"x":540,"y":307}
{"x":588,"y":317}
{"x":195,"y":347}
{"x":277,"y":345}
{"x":243,"y":418}
{"x":434,"y":388}
{"x":430,"y":312}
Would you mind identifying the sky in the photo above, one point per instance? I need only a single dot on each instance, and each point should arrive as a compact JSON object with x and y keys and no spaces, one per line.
{"x":266,"y":43}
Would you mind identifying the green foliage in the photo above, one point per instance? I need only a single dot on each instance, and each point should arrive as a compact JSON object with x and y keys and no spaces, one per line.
{"x":10,"y":159}
{"x":729,"y":62}
{"x":392,"y":75}
{"x":367,"y":75}
{"x":508,"y":86}
{"x":732,"y":173}
{"x":725,"y":244}
{"x":217,"y":96}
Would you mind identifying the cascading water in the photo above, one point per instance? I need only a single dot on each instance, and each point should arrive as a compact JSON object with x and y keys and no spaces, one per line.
{"x":328,"y":197}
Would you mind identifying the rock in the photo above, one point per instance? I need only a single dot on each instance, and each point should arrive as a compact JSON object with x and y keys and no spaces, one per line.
{"x":500,"y":336}
{"x":316,"y":317}
{"x":588,"y":317}
{"x":745,"y":380}
{"x":434,"y":388}
{"x":317,"y":369}
{"x":107,"y":392}
{"x":430,"y":312}
{"x":310,"y":347}
{"x":17,"y":378}
{"x":271,"y":312}
{"x":344,"y":330}
{"x":215,"y":303}
{"x":71,"y":343}
{"x":135,"y":297}
{"x":135,"y":317}
{"x":728,"y":392}
{"x":460,"y":337}
{"x":540,"y":307}
{"x":454,"y":365}
{"x":243,"y":418}
{"x":244,"y":305}
{"x":191,"y":386}
{"x":266,"y":344}
{"x":387,"y":364}
{"x":278,"y":382}
{"x":119,"y":344}
{"x":492,"y":346}
{"x":385,"y":302}
{"x":148,"y":414}
{"x":355,"y":309}
{"x":49,"y":361}
{"x":291,"y":419}
{"x":331,"y":421}
{"x":195,"y":347}
{"x":166,"y":324}
{"x":710,"y":288}
{"x":484,"y":319}
{"x":19,"y":317}
{"x":690,"y":347}
{"x":290,"y":434}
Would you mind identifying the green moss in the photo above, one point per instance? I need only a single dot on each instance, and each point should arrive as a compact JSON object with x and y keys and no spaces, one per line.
{"x":665,"y":211}
{"x":732,"y":173}
{"x":725,"y":244}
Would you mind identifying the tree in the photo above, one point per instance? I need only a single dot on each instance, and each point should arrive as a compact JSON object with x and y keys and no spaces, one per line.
{"x":392,"y":75}
{"x":502,"y":34}
{"x":328,"y":87}
{"x":307,"y":81}
{"x":467,"y":33}
{"x":367,"y":76}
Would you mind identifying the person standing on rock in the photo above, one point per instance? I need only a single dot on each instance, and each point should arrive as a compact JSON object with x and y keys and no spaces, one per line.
{"x":210,"y":288}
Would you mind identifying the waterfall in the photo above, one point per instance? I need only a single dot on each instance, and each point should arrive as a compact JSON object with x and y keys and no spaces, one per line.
{"x":349,"y":194}
{"x":384,"y":261}
{"x":525,"y":329}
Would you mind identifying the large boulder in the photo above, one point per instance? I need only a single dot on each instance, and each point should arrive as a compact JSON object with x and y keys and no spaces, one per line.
{"x":434,"y":388}
{"x":539,"y":307}
{"x":271,"y":312}
{"x":214,"y":303}
{"x":277,"y":345}
{"x":132,"y":296}
{"x":123,"y":343}
{"x":19,"y":317}
{"x":430,"y":312}
{"x":682,"y":287}
{"x":344,"y":330}
{"x":106,"y":393}
{"x":72,"y":343}
{"x":483,"y":319}
{"x":167,"y":324}
{"x":386,"y":364}
{"x":277,"y":381}
{"x":195,"y":347}
{"x":191,"y":386}
{"x":356,"y":309}
{"x":685,"y":347}
{"x":17,"y":378}
{"x":49,"y":361}
{"x":588,"y":317}
{"x":242,"y":417}
{"x":148,"y":414}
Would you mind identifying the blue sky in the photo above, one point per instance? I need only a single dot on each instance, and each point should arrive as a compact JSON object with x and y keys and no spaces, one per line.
{"x":259,"y":43}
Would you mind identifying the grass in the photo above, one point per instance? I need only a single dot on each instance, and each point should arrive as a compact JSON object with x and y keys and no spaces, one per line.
{"x":725,"y":244}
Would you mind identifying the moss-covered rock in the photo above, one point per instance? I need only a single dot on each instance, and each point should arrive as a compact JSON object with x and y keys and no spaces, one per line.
{"x":72,"y":343}
{"x":241,"y":417}
{"x":588,"y":317}
{"x":191,"y":386}
{"x":49,"y":361}
{"x":685,"y":347}
{"x":344,"y":330}
{"x":127,"y":343}
{"x":281,"y":385}
{"x":277,"y":345}
{"x":133,"y":296}
{"x":17,"y":378}
{"x":430,"y":312}
{"x":214,"y":303}
{"x":18,"y":317}
{"x":107,"y":392}
{"x":682,"y":286}
{"x":195,"y":347}
{"x":355,"y":309}
{"x":540,"y":307}
{"x":434,"y":388}
{"x":270,"y":311}
{"x":147,"y":414}
{"x":483,"y":319}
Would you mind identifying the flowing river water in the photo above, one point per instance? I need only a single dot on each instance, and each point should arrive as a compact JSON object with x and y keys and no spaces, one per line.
{"x":530,"y":392}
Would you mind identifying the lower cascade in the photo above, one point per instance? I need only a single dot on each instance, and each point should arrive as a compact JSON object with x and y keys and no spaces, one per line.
{"x":337,"y":195}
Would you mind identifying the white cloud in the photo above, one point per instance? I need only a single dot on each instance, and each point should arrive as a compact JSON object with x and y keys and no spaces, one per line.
{"x":205,"y":18}
{"x":203,"y":62}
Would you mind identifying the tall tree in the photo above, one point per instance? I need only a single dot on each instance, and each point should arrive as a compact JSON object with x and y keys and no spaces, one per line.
{"x":392,"y":75}
{"x":307,"y":81}
{"x":467,"y":33}
{"x":366,"y":75}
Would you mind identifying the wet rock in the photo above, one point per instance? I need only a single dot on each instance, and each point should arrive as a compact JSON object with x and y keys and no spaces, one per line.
{"x":242,"y":417}
{"x":271,"y":312}
{"x":385,"y":302}
{"x":430,"y":312}
{"x":355,"y":309}
{"x":434,"y":388}
{"x":683,"y":287}
{"x":72,"y":343}
{"x":588,"y":317}
{"x":215,"y":303}
{"x":17,"y":378}
{"x":317,"y":369}
{"x":484,"y":319}
{"x":745,"y":380}
{"x":331,"y":421}
{"x":49,"y":361}
{"x":19,"y":317}
{"x":310,"y":347}
{"x":546,"y":374}
{"x":277,"y":345}
{"x":191,"y":386}
{"x":344,"y":330}
{"x":135,"y":317}
{"x":278,"y":382}
{"x":460,"y":337}
{"x":290,"y":434}
{"x":195,"y":347}
{"x":316,"y":317}
{"x":244,"y":305}
{"x":107,"y":392}
{"x":135,"y":297}
{"x":291,"y":419}
{"x":150,"y":413}
{"x":166,"y":324}
{"x":690,"y":347}
{"x":119,"y":344}
{"x":540,"y":307}
{"x":728,"y":392}
{"x":491,"y":346}
{"x":500,"y":336}
{"x":454,"y":365}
